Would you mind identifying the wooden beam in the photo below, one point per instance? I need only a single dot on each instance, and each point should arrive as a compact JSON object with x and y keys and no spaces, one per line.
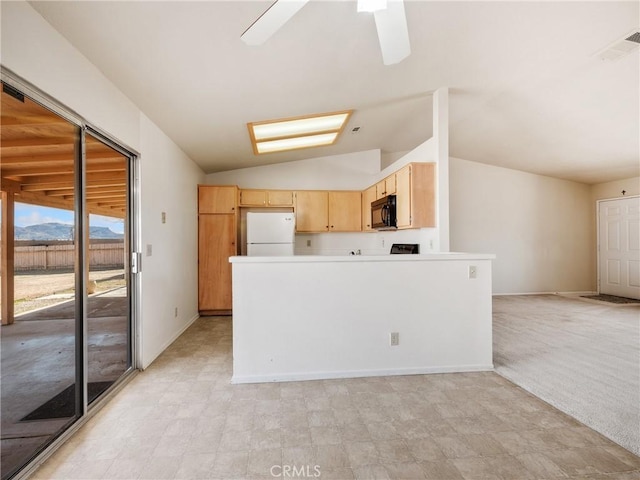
{"x":45,"y":187}
{"x":44,"y":200}
{"x":29,"y":142}
{"x":7,"y":185}
{"x":58,"y":157}
{"x":108,"y":203}
{"x":102,"y":178}
{"x":99,"y":195}
{"x":31,"y":120}
{"x":45,"y":169}
{"x":7,"y":296}
{"x":41,"y":130}
{"x":28,"y":147}
{"x":90,"y":190}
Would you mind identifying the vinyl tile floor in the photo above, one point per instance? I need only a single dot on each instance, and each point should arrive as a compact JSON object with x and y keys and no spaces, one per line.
{"x":182,"y":419}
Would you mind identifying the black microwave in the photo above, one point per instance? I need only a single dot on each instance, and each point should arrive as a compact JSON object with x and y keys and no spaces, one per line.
{"x":383,"y":213}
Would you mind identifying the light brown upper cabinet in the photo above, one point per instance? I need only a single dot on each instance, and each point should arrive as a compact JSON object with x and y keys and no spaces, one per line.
{"x":335,"y":211}
{"x":253,"y":198}
{"x":266,"y":198}
{"x":312,"y":211}
{"x":386,"y":187}
{"x":368,"y":196}
{"x":415,"y":196}
{"x":390,"y":185}
{"x":345,"y":211}
{"x":217,"y":199}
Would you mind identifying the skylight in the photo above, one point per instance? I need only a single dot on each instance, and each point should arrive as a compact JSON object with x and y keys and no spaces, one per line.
{"x":297,"y":132}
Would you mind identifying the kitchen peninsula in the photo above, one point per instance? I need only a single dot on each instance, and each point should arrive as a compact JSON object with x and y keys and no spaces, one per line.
{"x":318,"y":317}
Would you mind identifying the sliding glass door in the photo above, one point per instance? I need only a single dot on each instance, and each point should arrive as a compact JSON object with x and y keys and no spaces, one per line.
{"x":67,"y":296}
{"x":108,"y":302}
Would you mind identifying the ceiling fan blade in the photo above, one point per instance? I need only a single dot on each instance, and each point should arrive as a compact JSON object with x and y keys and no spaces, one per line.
{"x":393,"y":33}
{"x":270,"y":21}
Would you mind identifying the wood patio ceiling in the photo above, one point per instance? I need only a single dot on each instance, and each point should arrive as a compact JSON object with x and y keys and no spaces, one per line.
{"x":37,"y":161}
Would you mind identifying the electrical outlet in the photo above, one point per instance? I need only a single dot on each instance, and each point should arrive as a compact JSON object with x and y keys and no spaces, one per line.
{"x":164,"y":217}
{"x":394,"y":339}
{"x":308,"y":243}
{"x":149,"y":250}
{"x":473,"y":273}
{"x":175,"y":313}
{"x":430,"y":244}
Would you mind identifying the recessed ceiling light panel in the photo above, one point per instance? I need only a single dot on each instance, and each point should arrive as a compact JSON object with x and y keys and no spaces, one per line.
{"x":371,"y":5}
{"x":293,"y":143}
{"x":297,"y":132}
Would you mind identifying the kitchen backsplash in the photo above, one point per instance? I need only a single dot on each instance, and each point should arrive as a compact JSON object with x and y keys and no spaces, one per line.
{"x":370,"y":243}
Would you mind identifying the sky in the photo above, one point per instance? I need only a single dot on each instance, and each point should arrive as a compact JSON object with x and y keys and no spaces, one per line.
{"x":26,"y":215}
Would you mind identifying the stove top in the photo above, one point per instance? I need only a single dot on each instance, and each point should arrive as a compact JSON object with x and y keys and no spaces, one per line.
{"x":405,"y":248}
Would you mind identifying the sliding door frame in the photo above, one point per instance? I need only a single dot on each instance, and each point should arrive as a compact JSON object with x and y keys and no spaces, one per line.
{"x":133,"y":241}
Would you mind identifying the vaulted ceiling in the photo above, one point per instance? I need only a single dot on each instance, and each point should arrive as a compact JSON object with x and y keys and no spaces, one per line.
{"x":526,"y":88}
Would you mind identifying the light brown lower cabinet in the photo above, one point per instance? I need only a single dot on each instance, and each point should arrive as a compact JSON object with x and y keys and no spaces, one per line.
{"x":216,"y":243}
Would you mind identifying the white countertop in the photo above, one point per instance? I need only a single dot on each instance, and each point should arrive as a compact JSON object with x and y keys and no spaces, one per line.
{"x":430,"y":257}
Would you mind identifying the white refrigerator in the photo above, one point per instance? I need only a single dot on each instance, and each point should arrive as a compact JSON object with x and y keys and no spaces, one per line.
{"x":270,"y":234}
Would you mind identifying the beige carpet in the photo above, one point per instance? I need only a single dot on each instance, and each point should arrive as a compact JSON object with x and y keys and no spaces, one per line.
{"x":581,"y":357}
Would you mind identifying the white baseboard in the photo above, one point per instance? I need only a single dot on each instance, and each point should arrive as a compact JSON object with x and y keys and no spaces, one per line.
{"x":170,"y":341}
{"x":543,"y":293}
{"x":302,"y":376}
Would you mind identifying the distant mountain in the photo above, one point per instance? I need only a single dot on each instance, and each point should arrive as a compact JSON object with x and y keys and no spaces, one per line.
{"x":60,"y":231}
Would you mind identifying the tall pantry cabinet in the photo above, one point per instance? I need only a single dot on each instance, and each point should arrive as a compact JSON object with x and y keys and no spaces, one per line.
{"x":217,"y":241}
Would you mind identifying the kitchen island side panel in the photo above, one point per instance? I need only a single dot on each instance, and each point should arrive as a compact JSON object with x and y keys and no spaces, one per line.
{"x":316,"y":319}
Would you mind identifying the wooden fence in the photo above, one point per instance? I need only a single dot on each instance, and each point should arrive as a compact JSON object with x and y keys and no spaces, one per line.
{"x":60,"y":254}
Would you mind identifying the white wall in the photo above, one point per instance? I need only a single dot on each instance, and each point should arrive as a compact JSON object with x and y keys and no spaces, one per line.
{"x":302,"y":318}
{"x":369,"y":243}
{"x":601,"y":191}
{"x":538,"y":227}
{"x":352,"y":171}
{"x":388,"y":158}
{"x":170,"y":280}
{"x":32,"y":49}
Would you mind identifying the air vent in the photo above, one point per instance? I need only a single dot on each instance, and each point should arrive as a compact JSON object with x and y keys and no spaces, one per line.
{"x":634,"y":38}
{"x":9,"y":90}
{"x":622,"y":47}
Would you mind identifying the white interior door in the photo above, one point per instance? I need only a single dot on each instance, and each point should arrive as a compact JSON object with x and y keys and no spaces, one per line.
{"x":619,"y":247}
